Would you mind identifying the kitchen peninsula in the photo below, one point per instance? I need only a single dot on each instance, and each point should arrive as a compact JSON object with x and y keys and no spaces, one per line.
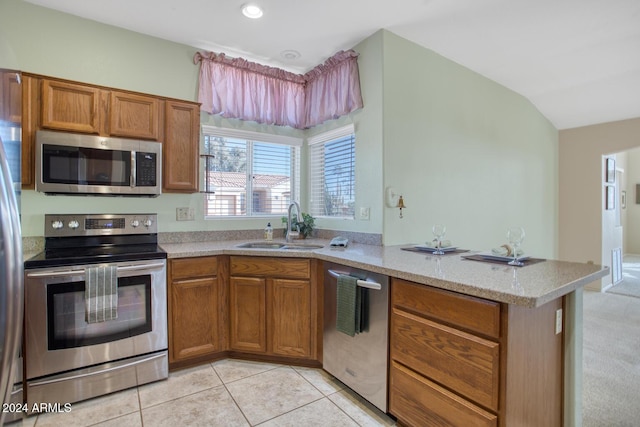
{"x":470,"y":342}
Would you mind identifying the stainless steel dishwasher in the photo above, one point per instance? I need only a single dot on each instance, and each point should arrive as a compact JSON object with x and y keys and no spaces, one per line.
{"x":361,"y":361}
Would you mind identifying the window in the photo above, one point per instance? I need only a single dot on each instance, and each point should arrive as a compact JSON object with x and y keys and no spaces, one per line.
{"x":248,"y":173}
{"x":332,"y":173}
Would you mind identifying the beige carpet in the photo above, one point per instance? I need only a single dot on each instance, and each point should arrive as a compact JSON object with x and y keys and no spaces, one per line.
{"x":630,"y":284}
{"x":611,"y":360}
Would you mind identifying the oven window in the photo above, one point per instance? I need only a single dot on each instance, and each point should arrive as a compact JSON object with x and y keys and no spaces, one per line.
{"x":85,"y":166}
{"x":66,"y":324}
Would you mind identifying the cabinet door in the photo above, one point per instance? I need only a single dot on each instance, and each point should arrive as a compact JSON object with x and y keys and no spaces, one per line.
{"x":181,"y":147}
{"x":194,"y":305}
{"x":247,"y":299}
{"x":134,"y":116}
{"x":30,"y":120}
{"x":11,"y":97}
{"x":72,"y":107}
{"x":291,"y":315}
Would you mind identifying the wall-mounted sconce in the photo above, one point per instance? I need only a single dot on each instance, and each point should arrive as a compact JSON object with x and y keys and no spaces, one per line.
{"x":401,"y":205}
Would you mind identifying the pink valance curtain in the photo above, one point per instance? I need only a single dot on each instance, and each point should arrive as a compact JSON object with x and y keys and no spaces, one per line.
{"x":237,"y":88}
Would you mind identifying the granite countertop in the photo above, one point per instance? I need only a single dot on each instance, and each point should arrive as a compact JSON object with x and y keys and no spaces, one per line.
{"x":530,"y":286}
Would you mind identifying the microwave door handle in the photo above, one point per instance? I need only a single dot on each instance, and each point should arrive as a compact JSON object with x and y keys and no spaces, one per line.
{"x":132,"y":178}
{"x":362,"y":283}
{"x":151,"y":266}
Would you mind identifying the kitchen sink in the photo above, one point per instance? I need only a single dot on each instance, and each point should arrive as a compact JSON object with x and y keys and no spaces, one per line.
{"x":280,"y":246}
{"x":302,"y":247}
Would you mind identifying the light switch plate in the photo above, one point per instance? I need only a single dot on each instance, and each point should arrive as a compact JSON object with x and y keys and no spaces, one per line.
{"x":365,"y":213}
{"x":185,"y":214}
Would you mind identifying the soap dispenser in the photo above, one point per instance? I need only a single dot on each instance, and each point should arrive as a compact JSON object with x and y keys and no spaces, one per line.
{"x":268,"y":232}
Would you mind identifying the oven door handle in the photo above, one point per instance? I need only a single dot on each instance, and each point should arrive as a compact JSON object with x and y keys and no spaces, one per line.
{"x":136,"y":267}
{"x":361,"y":283}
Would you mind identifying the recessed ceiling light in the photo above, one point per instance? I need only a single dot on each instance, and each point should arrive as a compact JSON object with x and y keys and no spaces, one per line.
{"x":290,"y":54}
{"x":252,"y":11}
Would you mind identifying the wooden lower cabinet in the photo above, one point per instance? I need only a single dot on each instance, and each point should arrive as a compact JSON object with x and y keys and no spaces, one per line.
{"x":273,"y":306}
{"x":421,"y":402}
{"x":457,"y":360}
{"x":197,"y":316}
{"x":248,"y":307}
{"x":291,"y":317}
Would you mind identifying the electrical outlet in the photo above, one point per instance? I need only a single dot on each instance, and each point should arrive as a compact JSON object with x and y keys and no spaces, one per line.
{"x":364,"y":213}
{"x":558,"y":321}
{"x":185,"y":214}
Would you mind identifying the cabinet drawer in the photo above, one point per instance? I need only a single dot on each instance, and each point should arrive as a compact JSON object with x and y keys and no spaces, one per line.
{"x":467,"y":312}
{"x":193,"y":267}
{"x":419,"y":402}
{"x":467,"y":364}
{"x":294,"y":268}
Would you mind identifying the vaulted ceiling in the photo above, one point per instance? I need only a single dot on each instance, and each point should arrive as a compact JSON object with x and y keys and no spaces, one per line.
{"x":578,"y":61}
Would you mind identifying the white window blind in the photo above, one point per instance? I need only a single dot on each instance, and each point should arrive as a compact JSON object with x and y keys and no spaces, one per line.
{"x":249,"y":177}
{"x":332,"y":173}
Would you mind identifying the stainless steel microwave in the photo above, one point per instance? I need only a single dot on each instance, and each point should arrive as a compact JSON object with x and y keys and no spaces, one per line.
{"x":68,"y":163}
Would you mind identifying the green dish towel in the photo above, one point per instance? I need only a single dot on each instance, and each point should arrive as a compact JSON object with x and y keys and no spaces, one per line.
{"x":349,"y":310}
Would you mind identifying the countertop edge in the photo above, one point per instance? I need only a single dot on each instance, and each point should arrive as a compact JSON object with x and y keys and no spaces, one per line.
{"x":339,"y":255}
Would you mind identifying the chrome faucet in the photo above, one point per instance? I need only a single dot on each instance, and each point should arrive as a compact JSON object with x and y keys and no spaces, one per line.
{"x":290,"y":234}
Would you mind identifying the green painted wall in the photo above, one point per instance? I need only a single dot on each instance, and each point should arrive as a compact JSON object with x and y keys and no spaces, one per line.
{"x":466,"y":152}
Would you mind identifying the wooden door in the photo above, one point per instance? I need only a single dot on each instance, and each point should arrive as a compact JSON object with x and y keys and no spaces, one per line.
{"x":194,"y":314}
{"x":247,"y":299}
{"x":181,"y":147}
{"x":70,"y":107}
{"x":134,"y":116}
{"x":291,"y":317}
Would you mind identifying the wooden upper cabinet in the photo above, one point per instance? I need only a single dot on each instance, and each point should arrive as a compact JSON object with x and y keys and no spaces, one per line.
{"x":181,"y":147}
{"x":134,"y":116}
{"x":10,"y":97}
{"x":70,"y":107}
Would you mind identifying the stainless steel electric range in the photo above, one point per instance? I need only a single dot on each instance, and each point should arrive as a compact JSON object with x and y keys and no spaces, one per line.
{"x":71,"y":355}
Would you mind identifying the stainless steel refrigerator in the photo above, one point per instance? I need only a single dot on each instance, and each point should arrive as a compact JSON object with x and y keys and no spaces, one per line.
{"x":11,"y":267}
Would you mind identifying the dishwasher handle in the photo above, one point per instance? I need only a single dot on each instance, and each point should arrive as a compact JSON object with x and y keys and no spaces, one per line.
{"x":361,"y":283}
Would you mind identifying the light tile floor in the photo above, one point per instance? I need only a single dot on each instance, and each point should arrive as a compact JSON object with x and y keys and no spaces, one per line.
{"x":226,"y":393}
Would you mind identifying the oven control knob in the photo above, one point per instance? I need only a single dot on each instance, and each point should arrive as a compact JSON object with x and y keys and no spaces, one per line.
{"x":57,"y":224}
{"x":147,"y":222}
{"x":135,"y":223}
{"x":73,"y":224}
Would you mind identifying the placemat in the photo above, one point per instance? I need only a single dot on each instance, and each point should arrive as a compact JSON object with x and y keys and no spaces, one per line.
{"x":526,"y":262}
{"x":422,"y":251}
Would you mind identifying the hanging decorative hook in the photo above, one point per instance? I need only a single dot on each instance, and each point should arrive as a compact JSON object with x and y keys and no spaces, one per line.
{"x":400,"y":205}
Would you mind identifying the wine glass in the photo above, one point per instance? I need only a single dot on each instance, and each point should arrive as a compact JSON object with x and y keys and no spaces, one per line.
{"x":438,"y":231}
{"x":515,"y":236}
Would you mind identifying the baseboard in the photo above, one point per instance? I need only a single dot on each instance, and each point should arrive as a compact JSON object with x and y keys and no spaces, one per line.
{"x":606,"y":288}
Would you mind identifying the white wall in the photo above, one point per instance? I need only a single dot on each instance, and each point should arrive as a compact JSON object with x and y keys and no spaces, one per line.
{"x":632,"y":212}
{"x":582,"y":215}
